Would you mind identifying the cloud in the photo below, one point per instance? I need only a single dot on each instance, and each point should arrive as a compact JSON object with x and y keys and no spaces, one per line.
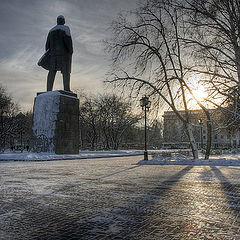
{"x":24,"y":28}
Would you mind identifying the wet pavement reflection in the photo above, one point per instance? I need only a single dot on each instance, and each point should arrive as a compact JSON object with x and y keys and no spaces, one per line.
{"x":117,"y":199}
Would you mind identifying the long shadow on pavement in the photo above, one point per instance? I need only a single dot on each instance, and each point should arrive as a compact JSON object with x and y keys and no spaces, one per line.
{"x":120,"y":222}
{"x":232,"y":191}
{"x":128,"y":219}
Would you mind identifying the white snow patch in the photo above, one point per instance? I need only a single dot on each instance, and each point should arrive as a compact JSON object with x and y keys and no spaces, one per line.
{"x":228,"y":159}
{"x":28,"y":156}
{"x":45,"y":115}
{"x":64,"y":28}
{"x":180,"y":159}
{"x":112,"y":223}
{"x":7,"y":214}
{"x":114,"y":228}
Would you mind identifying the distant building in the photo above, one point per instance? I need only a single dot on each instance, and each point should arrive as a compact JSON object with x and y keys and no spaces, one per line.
{"x":174,"y":134}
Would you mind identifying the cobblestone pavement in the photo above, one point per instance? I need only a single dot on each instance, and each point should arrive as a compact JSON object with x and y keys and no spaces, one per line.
{"x":115,"y":198}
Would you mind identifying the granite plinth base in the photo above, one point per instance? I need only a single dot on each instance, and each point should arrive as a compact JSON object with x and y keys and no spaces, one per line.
{"x":55,"y":123}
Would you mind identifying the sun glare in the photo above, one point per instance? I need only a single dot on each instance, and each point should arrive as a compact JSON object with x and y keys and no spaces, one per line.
{"x":198,"y":89}
{"x":200,"y":93}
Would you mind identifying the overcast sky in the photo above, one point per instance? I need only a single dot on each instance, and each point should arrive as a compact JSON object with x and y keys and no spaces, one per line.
{"x":24,"y":28}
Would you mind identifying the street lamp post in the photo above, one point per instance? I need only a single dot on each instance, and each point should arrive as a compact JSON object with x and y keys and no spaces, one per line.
{"x":145,"y":104}
{"x":201,"y":132}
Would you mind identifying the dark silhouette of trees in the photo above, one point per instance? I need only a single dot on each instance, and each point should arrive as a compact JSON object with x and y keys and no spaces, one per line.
{"x":89,"y":122}
{"x":9,"y":125}
{"x":104,"y":120}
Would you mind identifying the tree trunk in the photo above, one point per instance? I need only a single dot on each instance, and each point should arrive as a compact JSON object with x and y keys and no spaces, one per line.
{"x":209,"y":138}
{"x":93,"y":144}
{"x":192,"y":140}
{"x":80,"y":139}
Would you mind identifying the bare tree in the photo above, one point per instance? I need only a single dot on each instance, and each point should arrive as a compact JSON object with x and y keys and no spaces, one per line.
{"x":89,"y":119}
{"x":115,"y":118}
{"x":149,"y":57}
{"x":104,"y":119}
{"x":8,"y":121}
{"x":214,"y":38}
{"x":24,"y":121}
{"x":215,"y":30}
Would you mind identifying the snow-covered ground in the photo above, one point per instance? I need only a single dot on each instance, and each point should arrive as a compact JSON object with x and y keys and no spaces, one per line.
{"x":160,"y":157}
{"x":28,"y":156}
{"x":227,"y":159}
{"x":8,"y":155}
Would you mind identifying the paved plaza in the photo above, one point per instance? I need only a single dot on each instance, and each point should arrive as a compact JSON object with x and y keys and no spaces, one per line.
{"x":115,"y":198}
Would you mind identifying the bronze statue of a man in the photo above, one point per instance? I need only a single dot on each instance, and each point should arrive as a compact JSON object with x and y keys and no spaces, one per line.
{"x":58,"y":56}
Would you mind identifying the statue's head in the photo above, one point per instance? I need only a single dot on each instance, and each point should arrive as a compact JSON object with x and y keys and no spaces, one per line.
{"x":60,"y":20}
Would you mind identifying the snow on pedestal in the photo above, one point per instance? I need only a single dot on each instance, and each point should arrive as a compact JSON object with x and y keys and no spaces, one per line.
{"x":55,"y":123}
{"x":46,"y":108}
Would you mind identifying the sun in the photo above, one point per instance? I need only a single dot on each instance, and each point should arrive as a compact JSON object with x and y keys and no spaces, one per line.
{"x":199,"y":91}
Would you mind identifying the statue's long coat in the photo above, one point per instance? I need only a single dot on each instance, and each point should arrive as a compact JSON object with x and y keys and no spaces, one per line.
{"x":59,"y":45}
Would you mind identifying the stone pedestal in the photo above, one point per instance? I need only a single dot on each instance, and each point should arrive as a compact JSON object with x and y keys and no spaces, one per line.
{"x":55,"y":123}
